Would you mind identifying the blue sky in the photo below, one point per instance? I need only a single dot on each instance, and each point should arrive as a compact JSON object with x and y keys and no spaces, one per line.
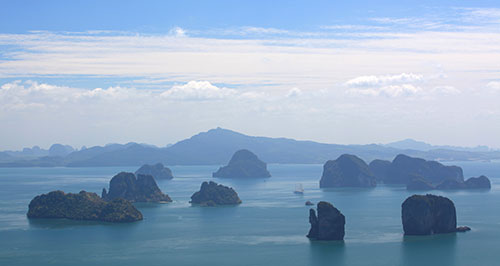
{"x":322,"y":70}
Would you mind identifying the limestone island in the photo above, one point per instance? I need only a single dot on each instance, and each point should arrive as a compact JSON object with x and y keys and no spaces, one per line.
{"x":429,"y":214}
{"x":142,"y":188}
{"x":420,"y":174}
{"x":243,"y":164}
{"x":82,"y":206}
{"x":328,"y":225}
{"x":211,"y":194}
{"x":347,"y":171}
{"x":158,"y":171}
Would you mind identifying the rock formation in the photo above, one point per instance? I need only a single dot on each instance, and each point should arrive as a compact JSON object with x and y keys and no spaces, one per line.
{"x":404,"y":168}
{"x":82,"y":206}
{"x":481,"y":182}
{"x":379,"y":168}
{"x":141,"y":189}
{"x":427,"y":215}
{"x":309,"y":203}
{"x":212,"y":194}
{"x":243,"y":164}
{"x":328,"y":225}
{"x":347,"y":171}
{"x":158,"y":171}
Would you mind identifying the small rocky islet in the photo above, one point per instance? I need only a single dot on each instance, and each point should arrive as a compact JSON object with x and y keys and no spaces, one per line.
{"x":157,"y":171}
{"x":82,"y":206}
{"x":142,"y":188}
{"x":243,"y":164}
{"x":329,"y":224}
{"x":347,"y":171}
{"x":429,"y":214}
{"x":212,"y":194}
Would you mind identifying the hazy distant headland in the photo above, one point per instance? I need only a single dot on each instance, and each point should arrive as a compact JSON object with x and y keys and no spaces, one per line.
{"x":216,"y":146}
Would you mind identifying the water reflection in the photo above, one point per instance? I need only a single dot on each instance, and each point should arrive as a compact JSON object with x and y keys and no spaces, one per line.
{"x":327,"y":253}
{"x":429,"y":250}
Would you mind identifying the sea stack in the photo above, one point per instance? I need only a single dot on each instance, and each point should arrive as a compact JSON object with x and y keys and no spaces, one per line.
{"x":481,"y":182}
{"x":141,"y":189}
{"x":347,"y":171}
{"x":158,"y":171}
{"x":428,"y":214}
{"x":243,"y":164}
{"x":212,"y":194}
{"x":82,"y":206}
{"x":328,"y":225}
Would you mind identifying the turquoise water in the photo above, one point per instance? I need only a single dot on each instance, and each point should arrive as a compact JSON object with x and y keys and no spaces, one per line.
{"x":268,"y":228}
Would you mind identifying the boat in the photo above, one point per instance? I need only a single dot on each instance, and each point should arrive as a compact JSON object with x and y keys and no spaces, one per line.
{"x":299,"y":189}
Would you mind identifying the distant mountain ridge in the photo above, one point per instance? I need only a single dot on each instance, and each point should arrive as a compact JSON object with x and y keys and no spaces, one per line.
{"x":411,"y":144}
{"x":216,"y":146}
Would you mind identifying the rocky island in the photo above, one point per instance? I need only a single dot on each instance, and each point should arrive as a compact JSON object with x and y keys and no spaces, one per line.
{"x":347,"y":171}
{"x":212,"y":194}
{"x":82,"y":206}
{"x":404,"y":169}
{"x":328,"y":225}
{"x":481,"y":182}
{"x":141,"y":189}
{"x":429,"y":214}
{"x":243,"y":164}
{"x":158,"y":171}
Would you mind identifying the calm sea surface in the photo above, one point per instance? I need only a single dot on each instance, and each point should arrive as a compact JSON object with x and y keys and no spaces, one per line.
{"x":268,"y":228}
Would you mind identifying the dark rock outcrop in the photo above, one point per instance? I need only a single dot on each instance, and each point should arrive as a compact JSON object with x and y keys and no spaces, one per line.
{"x":347,"y":171}
{"x":427,"y":215}
{"x":328,"y":225}
{"x":243,"y":164}
{"x":404,"y":168}
{"x":309,"y":203}
{"x":82,"y":206}
{"x":213,"y":194}
{"x":141,"y":189}
{"x":419,"y":184}
{"x":481,"y":182}
{"x":158,"y":171}
{"x":379,"y":168}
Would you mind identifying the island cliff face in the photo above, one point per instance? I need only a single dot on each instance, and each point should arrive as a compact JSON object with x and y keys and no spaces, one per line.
{"x":328,"y":225}
{"x":212,"y":194}
{"x":405,"y":168}
{"x":141,"y":189}
{"x":243,"y":164}
{"x":347,"y":171}
{"x":379,"y":168}
{"x":481,"y":182}
{"x":82,"y":206}
{"x":158,"y":171}
{"x":427,"y":215}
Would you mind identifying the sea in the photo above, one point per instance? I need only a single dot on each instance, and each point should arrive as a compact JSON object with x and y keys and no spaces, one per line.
{"x":268,"y":228}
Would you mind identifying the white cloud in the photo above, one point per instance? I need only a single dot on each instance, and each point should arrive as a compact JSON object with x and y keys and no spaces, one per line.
{"x":371,"y":81}
{"x":294,"y":92}
{"x":494,"y":86}
{"x":390,"y":91}
{"x":198,"y":90}
{"x":178,"y":32}
{"x":446,"y":89}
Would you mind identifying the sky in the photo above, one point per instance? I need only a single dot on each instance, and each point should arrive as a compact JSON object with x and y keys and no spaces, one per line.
{"x":348,"y":72}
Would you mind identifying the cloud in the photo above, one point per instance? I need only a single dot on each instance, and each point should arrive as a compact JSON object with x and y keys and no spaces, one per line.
{"x":494,"y":86}
{"x":371,"y":81}
{"x":198,"y":90}
{"x":390,"y":91}
{"x":294,"y":92}
{"x":178,"y":32}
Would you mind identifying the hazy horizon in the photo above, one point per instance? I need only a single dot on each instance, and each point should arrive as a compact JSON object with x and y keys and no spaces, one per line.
{"x":159,"y":72}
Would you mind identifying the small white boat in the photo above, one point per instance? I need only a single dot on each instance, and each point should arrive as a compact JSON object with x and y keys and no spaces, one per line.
{"x":299,"y":189}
